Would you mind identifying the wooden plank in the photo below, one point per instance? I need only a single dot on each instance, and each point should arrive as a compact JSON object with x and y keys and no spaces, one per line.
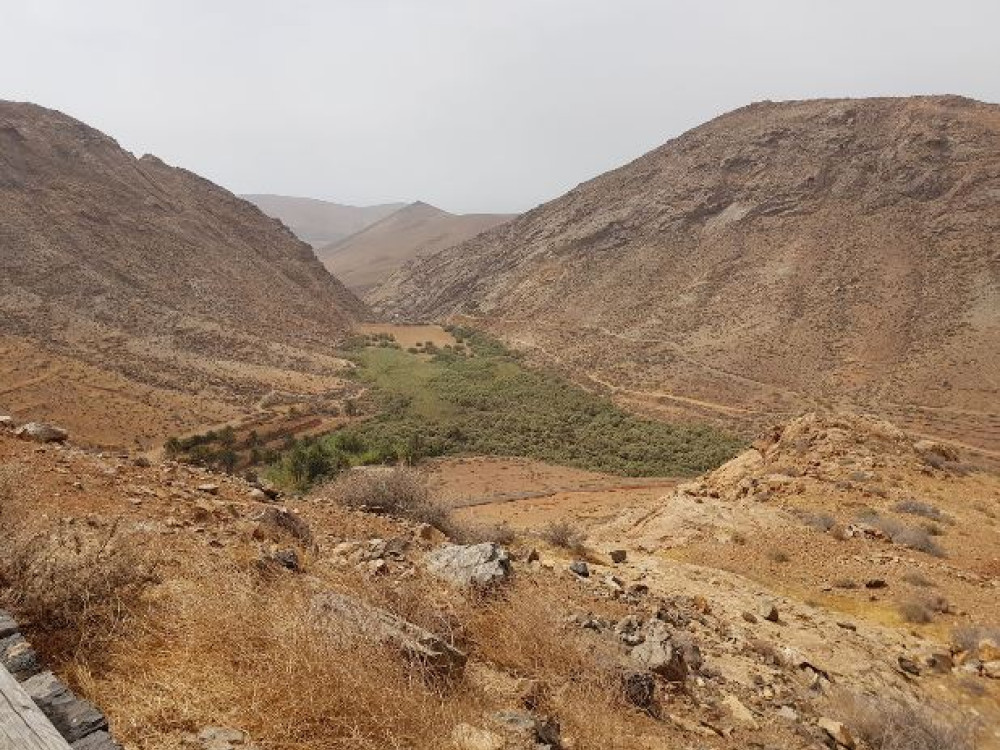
{"x":23,"y":726}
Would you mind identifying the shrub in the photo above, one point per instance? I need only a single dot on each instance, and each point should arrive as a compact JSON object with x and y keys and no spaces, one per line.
{"x":397,"y":492}
{"x":565,"y":535}
{"x":819,"y":521}
{"x":778,"y":556}
{"x":915,"y":578}
{"x":917,"y":508}
{"x":915,"y":611}
{"x":886,"y":724}
{"x":968,"y":637}
{"x":477,"y":533}
{"x":900,"y":533}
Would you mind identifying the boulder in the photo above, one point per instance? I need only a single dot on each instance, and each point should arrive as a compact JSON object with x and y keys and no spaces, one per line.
{"x":660,"y":655}
{"x":469,"y":565}
{"x":41,"y":432}
{"x":367,"y":621}
{"x":74,"y":717}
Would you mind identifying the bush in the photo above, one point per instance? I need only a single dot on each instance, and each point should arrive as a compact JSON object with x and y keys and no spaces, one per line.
{"x":968,"y":637}
{"x":565,"y":535}
{"x":900,"y":533}
{"x":917,"y":508}
{"x":396,"y":492}
{"x":885,"y":724}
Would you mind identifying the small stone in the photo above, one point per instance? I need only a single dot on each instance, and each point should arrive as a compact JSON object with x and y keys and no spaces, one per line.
{"x":258,"y":495}
{"x":908,"y":665}
{"x":837,"y":732}
{"x":988,"y":650}
{"x":847,"y":625}
{"x":941,"y":662}
{"x":211,"y":489}
{"x":618,"y":556}
{"x":580,"y":568}
{"x":991,"y":669}
{"x":532,"y":555}
{"x":467,"y":737}
{"x":769,"y":612}
{"x":876,"y":583}
{"x":739,"y":712}
{"x":750,"y":617}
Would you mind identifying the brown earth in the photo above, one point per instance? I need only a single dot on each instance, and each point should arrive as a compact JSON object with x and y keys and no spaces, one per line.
{"x":320,"y":222}
{"x":783,"y":257}
{"x":370,"y":256}
{"x":173,"y":300}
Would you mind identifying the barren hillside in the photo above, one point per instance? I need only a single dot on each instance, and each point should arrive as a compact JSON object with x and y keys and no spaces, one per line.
{"x":321,"y":222}
{"x":147,"y":274}
{"x":782,"y":255}
{"x":370,"y":256}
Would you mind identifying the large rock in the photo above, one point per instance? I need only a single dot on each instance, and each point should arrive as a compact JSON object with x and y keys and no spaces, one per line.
{"x":74,"y":717}
{"x":661,"y":655}
{"x":41,"y":432}
{"x":99,"y":740}
{"x":415,"y":642}
{"x":18,"y":657}
{"x":469,"y":565}
{"x":275,"y":524}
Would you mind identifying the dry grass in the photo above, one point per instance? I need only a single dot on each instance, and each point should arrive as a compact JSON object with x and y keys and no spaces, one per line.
{"x":564,"y":535}
{"x":886,"y":724}
{"x":900,"y":533}
{"x":270,"y":671}
{"x":74,"y":588}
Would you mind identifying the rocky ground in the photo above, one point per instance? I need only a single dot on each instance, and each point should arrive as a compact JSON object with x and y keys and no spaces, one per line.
{"x":674,"y":623}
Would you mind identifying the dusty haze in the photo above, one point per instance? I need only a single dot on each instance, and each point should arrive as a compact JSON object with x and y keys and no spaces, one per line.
{"x":487,"y":106}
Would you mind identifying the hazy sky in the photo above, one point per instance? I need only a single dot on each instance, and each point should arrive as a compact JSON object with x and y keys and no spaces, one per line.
{"x":473,"y":105}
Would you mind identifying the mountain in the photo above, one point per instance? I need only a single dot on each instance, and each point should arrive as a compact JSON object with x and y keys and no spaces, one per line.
{"x":370,"y":256}
{"x":781,"y":257}
{"x":142,"y":279}
{"x":320,"y":222}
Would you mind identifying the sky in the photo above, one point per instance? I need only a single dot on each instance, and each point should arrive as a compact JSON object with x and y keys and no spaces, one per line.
{"x":471,"y":105}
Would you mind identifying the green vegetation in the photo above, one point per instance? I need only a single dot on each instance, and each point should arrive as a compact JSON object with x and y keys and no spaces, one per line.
{"x":480,"y":400}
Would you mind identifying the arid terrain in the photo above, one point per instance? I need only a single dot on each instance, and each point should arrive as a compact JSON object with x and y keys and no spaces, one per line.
{"x":782,"y":257}
{"x":369,"y":257}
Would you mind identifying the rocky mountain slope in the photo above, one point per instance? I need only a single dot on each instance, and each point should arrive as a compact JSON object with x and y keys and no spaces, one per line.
{"x":147,"y":272}
{"x":781,"y":256}
{"x":320,"y":222}
{"x":370,"y":256}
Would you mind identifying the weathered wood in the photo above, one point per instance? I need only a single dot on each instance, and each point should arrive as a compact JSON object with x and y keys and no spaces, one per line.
{"x":23,"y":726}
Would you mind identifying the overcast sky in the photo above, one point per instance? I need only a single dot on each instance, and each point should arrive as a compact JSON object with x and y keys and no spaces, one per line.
{"x":473,"y":105}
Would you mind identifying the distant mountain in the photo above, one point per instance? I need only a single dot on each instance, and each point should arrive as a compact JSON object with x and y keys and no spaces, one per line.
{"x":780,"y":257}
{"x":370,"y":256}
{"x":321,"y":222}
